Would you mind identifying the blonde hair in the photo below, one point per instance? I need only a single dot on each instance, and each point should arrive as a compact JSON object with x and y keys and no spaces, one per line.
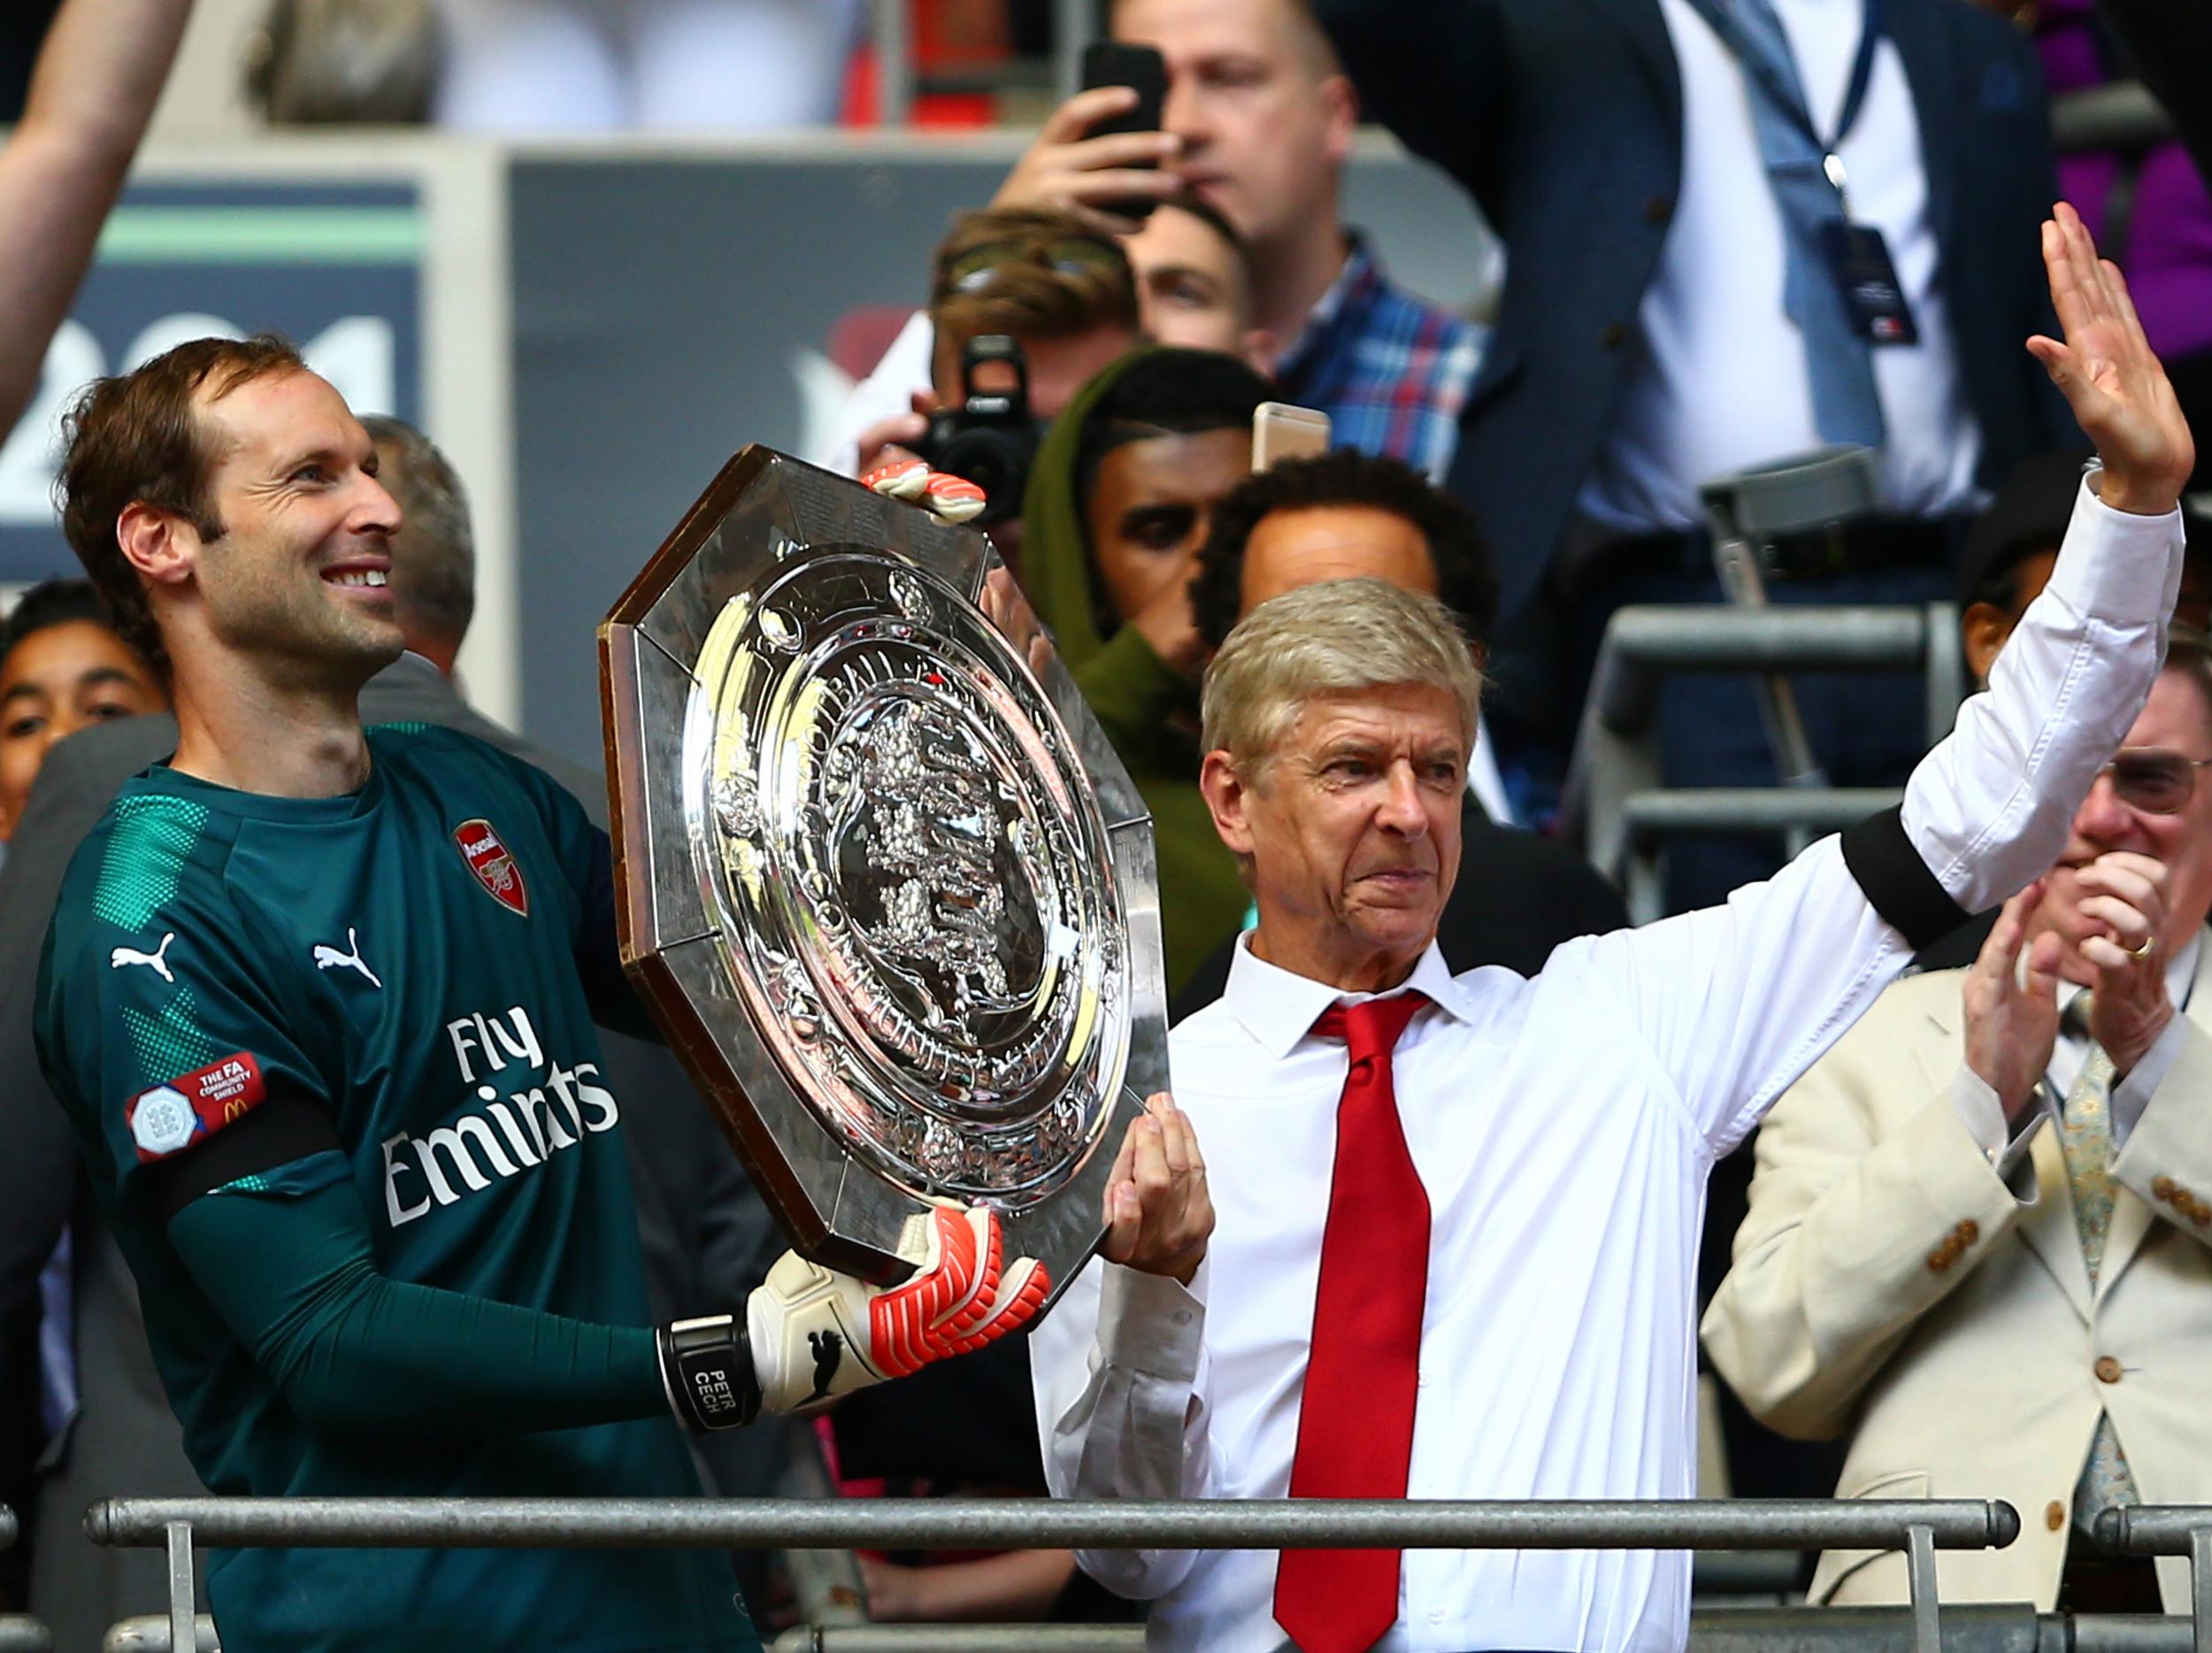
{"x":1336,"y":637}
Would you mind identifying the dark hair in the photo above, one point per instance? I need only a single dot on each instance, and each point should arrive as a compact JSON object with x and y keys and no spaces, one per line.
{"x":49,"y":603}
{"x":1215,"y":219}
{"x":2028,"y":516}
{"x":1465,"y":581}
{"x":1167,"y":391}
{"x":434,"y":554}
{"x":135,"y":439}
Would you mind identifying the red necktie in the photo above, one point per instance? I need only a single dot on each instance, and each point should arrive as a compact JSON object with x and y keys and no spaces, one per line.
{"x":1356,"y":1423}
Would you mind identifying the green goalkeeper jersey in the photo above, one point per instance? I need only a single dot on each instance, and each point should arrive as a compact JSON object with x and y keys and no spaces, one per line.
{"x":417,"y":960}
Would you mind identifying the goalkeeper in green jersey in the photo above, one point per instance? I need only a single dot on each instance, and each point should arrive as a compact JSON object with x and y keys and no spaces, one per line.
{"x":320,"y":1002}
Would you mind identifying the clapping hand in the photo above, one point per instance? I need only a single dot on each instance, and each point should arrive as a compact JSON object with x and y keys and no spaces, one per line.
{"x":2012,"y":1013}
{"x":1158,"y":1213}
{"x":2107,"y":374}
{"x":2124,"y":895}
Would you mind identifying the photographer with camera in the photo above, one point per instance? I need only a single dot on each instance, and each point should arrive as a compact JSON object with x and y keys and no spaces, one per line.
{"x":1025,"y":307}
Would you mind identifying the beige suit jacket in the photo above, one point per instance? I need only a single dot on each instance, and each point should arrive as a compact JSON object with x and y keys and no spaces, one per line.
{"x":1889,"y":1287}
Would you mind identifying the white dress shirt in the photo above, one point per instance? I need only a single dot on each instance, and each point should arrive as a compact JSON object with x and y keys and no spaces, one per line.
{"x":1719,"y":381}
{"x":1563,"y":1126}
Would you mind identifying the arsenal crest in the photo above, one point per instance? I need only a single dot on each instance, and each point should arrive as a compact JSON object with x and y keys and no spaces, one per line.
{"x":494,"y":868}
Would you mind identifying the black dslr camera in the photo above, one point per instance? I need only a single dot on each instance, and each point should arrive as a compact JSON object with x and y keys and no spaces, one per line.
{"x":989,"y":438}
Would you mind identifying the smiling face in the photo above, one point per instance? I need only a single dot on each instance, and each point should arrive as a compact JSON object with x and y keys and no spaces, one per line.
{"x":2175,"y":719}
{"x":1352,"y":828}
{"x":1149,"y":510}
{"x":1265,"y":121}
{"x":297,"y":577}
{"x":57,"y":681}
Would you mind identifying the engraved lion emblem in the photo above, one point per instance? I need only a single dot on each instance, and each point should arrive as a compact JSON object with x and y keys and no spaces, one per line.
{"x":939,"y":846}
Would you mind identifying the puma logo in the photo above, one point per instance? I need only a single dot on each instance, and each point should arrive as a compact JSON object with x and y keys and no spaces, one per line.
{"x":153,"y":961}
{"x":829,"y":1354}
{"x":331,"y":958}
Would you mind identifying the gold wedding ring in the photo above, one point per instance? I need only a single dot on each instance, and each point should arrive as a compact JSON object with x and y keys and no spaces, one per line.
{"x":2149,"y":946}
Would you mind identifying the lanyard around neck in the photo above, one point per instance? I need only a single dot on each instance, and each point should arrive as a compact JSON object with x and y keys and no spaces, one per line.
{"x":1721,"y":15}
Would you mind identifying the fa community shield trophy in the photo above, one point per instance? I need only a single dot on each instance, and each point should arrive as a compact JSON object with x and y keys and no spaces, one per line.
{"x":887,"y":891}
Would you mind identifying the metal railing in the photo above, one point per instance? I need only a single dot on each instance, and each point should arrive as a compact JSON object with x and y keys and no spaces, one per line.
{"x":2005,"y":1628}
{"x":19,"y":1632}
{"x":2167,"y":1529}
{"x":1617,"y":803}
{"x":1917,"y":1528}
{"x":2120,"y":116}
{"x":2014,"y":1628}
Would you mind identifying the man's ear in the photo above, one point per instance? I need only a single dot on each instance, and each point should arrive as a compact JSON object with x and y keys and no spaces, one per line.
{"x":1339,"y":100}
{"x":1260,"y":349}
{"x":159,"y":544}
{"x":1227,"y":794}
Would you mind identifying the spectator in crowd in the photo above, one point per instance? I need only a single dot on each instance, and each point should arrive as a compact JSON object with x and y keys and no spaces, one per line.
{"x":62,"y":669}
{"x":1377,"y":1212}
{"x":706,"y":1235}
{"x":1977,"y":1235}
{"x":1344,"y":516}
{"x":1064,"y":294}
{"x":1061,"y":290}
{"x":2008,"y":555}
{"x":1258,"y":123}
{"x":1194,"y":282}
{"x":1117,"y":507}
{"x":2167,"y":42}
{"x":2146,"y":205}
{"x":91,"y":95}
{"x":590,"y":66}
{"x":1714,"y":332}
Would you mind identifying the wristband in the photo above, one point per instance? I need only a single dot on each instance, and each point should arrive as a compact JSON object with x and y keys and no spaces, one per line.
{"x":706,"y":1371}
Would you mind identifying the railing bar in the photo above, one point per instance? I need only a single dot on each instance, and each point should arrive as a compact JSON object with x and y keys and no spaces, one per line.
{"x":2201,"y":1586}
{"x":996,"y":1523}
{"x":1920,"y":1583}
{"x":182,"y":1608}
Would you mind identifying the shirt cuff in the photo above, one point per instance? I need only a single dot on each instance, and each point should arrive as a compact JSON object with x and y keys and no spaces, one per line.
{"x":2108,"y":583}
{"x":2133,"y":1094}
{"x":2004,"y":1146}
{"x":1151,"y":1324}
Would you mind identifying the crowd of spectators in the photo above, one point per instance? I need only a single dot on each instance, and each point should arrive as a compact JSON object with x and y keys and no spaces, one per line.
{"x":1965,"y":1246}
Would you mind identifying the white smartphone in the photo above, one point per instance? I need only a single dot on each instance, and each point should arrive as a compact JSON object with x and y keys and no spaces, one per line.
{"x":1280,"y":431}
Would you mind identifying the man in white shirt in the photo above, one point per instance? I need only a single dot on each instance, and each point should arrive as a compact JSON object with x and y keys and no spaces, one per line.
{"x":1815,"y":217}
{"x":1459,"y":1262}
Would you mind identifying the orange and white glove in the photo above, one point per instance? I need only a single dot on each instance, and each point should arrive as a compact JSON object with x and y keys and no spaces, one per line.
{"x":816,"y":1334}
{"x":948,"y":498}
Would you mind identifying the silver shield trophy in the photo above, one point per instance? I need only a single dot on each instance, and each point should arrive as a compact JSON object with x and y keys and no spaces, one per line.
{"x":887,"y":892}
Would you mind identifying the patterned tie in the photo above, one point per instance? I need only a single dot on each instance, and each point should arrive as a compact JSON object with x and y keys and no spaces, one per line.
{"x":2085,"y":1139}
{"x":1839,"y":361}
{"x":1355,"y":1422}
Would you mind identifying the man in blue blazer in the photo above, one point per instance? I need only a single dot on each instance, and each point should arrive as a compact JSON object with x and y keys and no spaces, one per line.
{"x":1700,"y":200}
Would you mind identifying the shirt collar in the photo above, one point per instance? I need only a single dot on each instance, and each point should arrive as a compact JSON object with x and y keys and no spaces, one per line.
{"x":1360,"y":275}
{"x":1279,"y":1007}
